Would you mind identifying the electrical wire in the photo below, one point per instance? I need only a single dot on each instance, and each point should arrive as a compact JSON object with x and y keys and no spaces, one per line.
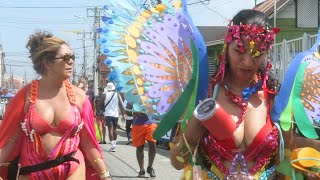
{"x":35,"y":19}
{"x":205,"y":5}
{"x":44,"y":7}
{"x":21,"y":28}
{"x":27,"y":53}
{"x":32,"y":23}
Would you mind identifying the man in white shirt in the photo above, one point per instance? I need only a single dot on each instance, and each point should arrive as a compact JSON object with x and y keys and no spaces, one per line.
{"x":111,"y":104}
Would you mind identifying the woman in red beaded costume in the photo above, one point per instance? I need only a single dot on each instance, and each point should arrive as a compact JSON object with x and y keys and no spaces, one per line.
{"x":48,"y":127}
{"x":231,"y":135}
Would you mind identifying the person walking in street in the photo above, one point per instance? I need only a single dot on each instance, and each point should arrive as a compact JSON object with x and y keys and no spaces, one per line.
{"x":128,"y":118}
{"x":111,"y":104}
{"x":100,"y":116}
{"x":48,"y":127}
{"x":142,"y":130}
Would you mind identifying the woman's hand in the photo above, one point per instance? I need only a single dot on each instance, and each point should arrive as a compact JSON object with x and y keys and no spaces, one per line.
{"x":178,"y":154}
{"x":105,"y":176}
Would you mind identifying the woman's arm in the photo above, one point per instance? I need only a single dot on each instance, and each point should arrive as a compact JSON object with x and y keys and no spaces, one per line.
{"x":306,"y":142}
{"x":88,"y":141}
{"x":9,"y":147}
{"x":92,"y":154}
{"x":294,"y":140}
{"x":10,"y":130}
{"x":192,"y":134}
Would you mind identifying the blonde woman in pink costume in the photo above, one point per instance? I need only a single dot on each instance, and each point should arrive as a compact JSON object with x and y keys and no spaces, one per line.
{"x":48,"y":128}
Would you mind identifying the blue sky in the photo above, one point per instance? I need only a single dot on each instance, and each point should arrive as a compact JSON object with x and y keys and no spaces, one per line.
{"x":17,"y":23}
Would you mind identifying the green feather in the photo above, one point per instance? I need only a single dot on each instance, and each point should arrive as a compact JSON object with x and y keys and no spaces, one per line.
{"x":300,"y":116}
{"x":191,"y":105}
{"x":286,"y":115}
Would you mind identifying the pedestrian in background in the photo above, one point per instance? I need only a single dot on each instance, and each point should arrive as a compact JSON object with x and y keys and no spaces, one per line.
{"x":128,"y":118}
{"x":48,"y":128}
{"x":83,"y":84}
{"x":142,"y":130}
{"x":100,"y":116}
{"x":112,"y":107}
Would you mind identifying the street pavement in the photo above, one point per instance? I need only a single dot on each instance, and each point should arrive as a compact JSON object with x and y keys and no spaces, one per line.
{"x":123,"y":163}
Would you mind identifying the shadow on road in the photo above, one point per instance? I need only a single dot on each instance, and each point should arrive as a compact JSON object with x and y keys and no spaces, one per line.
{"x":130,"y":177}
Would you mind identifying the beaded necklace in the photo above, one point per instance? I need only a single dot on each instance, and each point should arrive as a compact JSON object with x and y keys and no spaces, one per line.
{"x":241,"y":102}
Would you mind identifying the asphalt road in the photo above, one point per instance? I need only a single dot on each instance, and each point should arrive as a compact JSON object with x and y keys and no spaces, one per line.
{"x":123,"y":163}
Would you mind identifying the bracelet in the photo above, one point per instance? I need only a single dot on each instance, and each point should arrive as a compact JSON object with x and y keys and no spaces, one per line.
{"x":183,"y":152}
{"x":184,"y":149}
{"x":12,"y":140}
{"x":105,"y":174}
{"x":97,"y":160}
{"x":194,"y":153}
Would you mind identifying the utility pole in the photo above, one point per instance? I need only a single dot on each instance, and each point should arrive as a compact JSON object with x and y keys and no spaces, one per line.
{"x":96,"y":53}
{"x":84,"y":46}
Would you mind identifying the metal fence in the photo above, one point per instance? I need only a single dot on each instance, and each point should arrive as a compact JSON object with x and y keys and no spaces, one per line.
{"x":282,"y":53}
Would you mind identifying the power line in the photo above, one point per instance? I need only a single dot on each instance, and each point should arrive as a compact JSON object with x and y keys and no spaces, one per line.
{"x":44,"y":7}
{"x":21,"y":28}
{"x":32,"y":23}
{"x":27,"y":53}
{"x":198,"y":2}
{"x":18,"y":65}
{"x":36,"y":19}
{"x":14,"y":61}
{"x":205,"y":5}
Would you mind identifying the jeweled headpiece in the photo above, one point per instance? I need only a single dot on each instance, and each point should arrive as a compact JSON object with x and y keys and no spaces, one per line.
{"x":254,"y":34}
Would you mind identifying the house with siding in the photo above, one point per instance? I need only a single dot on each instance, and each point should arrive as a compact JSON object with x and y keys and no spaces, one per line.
{"x":298,"y":21}
{"x":294,"y":17}
{"x":214,"y":38}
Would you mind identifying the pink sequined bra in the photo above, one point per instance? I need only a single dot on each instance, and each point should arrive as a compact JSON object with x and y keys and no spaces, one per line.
{"x":41,"y":126}
{"x":260,"y":151}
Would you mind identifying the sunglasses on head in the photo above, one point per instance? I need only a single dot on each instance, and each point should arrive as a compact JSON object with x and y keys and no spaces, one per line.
{"x":67,"y":57}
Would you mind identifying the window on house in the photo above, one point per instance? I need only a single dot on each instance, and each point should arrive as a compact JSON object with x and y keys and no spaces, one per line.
{"x":307,"y":13}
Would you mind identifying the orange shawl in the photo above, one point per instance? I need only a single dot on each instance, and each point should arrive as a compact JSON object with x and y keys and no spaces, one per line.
{"x":14,"y":115}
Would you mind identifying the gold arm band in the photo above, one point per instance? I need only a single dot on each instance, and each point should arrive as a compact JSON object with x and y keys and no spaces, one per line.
{"x":96,"y":160}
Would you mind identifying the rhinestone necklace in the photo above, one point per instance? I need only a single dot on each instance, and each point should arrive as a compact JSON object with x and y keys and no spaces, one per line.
{"x":240,"y":102}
